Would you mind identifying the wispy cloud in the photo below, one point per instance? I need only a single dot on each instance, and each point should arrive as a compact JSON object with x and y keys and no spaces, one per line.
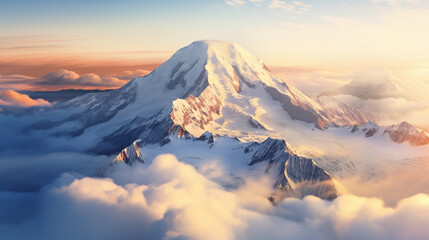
{"x":31,"y":47}
{"x":28,"y":42}
{"x":293,"y":6}
{"x":235,"y":2}
{"x":296,"y":6}
{"x":281,"y":4}
{"x":396,"y":2}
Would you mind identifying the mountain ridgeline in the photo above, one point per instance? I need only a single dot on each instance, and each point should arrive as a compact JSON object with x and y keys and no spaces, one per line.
{"x":208,"y":91}
{"x":201,"y":83}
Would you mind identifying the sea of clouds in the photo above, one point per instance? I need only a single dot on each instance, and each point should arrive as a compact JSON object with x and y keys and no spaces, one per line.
{"x":48,"y":191}
{"x":168,"y":199}
{"x":53,"y":81}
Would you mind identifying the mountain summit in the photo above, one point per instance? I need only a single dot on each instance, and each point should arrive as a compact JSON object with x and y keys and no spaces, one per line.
{"x":212,"y":86}
{"x":233,"y":77}
{"x":210,"y":100}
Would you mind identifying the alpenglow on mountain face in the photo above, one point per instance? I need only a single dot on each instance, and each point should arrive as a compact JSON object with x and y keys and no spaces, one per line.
{"x":210,"y":86}
{"x":213,"y":99}
{"x":212,"y":92}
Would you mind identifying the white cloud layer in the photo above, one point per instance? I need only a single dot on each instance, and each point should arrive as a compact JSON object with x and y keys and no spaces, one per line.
{"x":68,"y":79}
{"x":408,"y":101}
{"x":170,"y":200}
{"x":393,"y":110}
{"x":11,"y":98}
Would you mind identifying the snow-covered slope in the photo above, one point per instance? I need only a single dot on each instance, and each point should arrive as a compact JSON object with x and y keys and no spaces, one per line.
{"x":207,"y":86}
{"x":217,"y":88}
{"x":234,"y":161}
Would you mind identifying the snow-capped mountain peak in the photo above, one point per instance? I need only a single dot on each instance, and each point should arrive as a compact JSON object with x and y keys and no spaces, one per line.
{"x":406,"y":132}
{"x":130,"y":155}
{"x":212,"y":86}
{"x":235,"y":79}
{"x":207,"y":89}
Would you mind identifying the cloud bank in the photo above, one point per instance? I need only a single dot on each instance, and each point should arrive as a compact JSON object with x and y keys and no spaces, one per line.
{"x":72,"y":79}
{"x":169,"y":199}
{"x":66,"y":79}
{"x":12,"y":98}
{"x":393,"y":96}
{"x":393,"y":99}
{"x":377,"y":83}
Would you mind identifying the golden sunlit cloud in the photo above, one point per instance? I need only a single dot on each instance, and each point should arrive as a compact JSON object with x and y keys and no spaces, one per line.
{"x":12,"y":98}
{"x":66,"y":79}
{"x":170,"y":199}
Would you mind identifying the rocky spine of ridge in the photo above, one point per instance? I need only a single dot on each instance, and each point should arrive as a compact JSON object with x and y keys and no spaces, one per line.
{"x":369,"y":129}
{"x":294,"y":176}
{"x":130,"y":155}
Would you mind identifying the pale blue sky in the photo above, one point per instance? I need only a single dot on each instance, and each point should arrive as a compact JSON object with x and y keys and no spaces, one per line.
{"x":282,"y":32}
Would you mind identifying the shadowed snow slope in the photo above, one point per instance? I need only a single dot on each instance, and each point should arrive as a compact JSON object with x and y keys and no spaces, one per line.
{"x":229,"y":162}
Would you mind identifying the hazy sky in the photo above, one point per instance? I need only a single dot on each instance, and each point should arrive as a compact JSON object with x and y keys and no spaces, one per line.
{"x":333,"y":34}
